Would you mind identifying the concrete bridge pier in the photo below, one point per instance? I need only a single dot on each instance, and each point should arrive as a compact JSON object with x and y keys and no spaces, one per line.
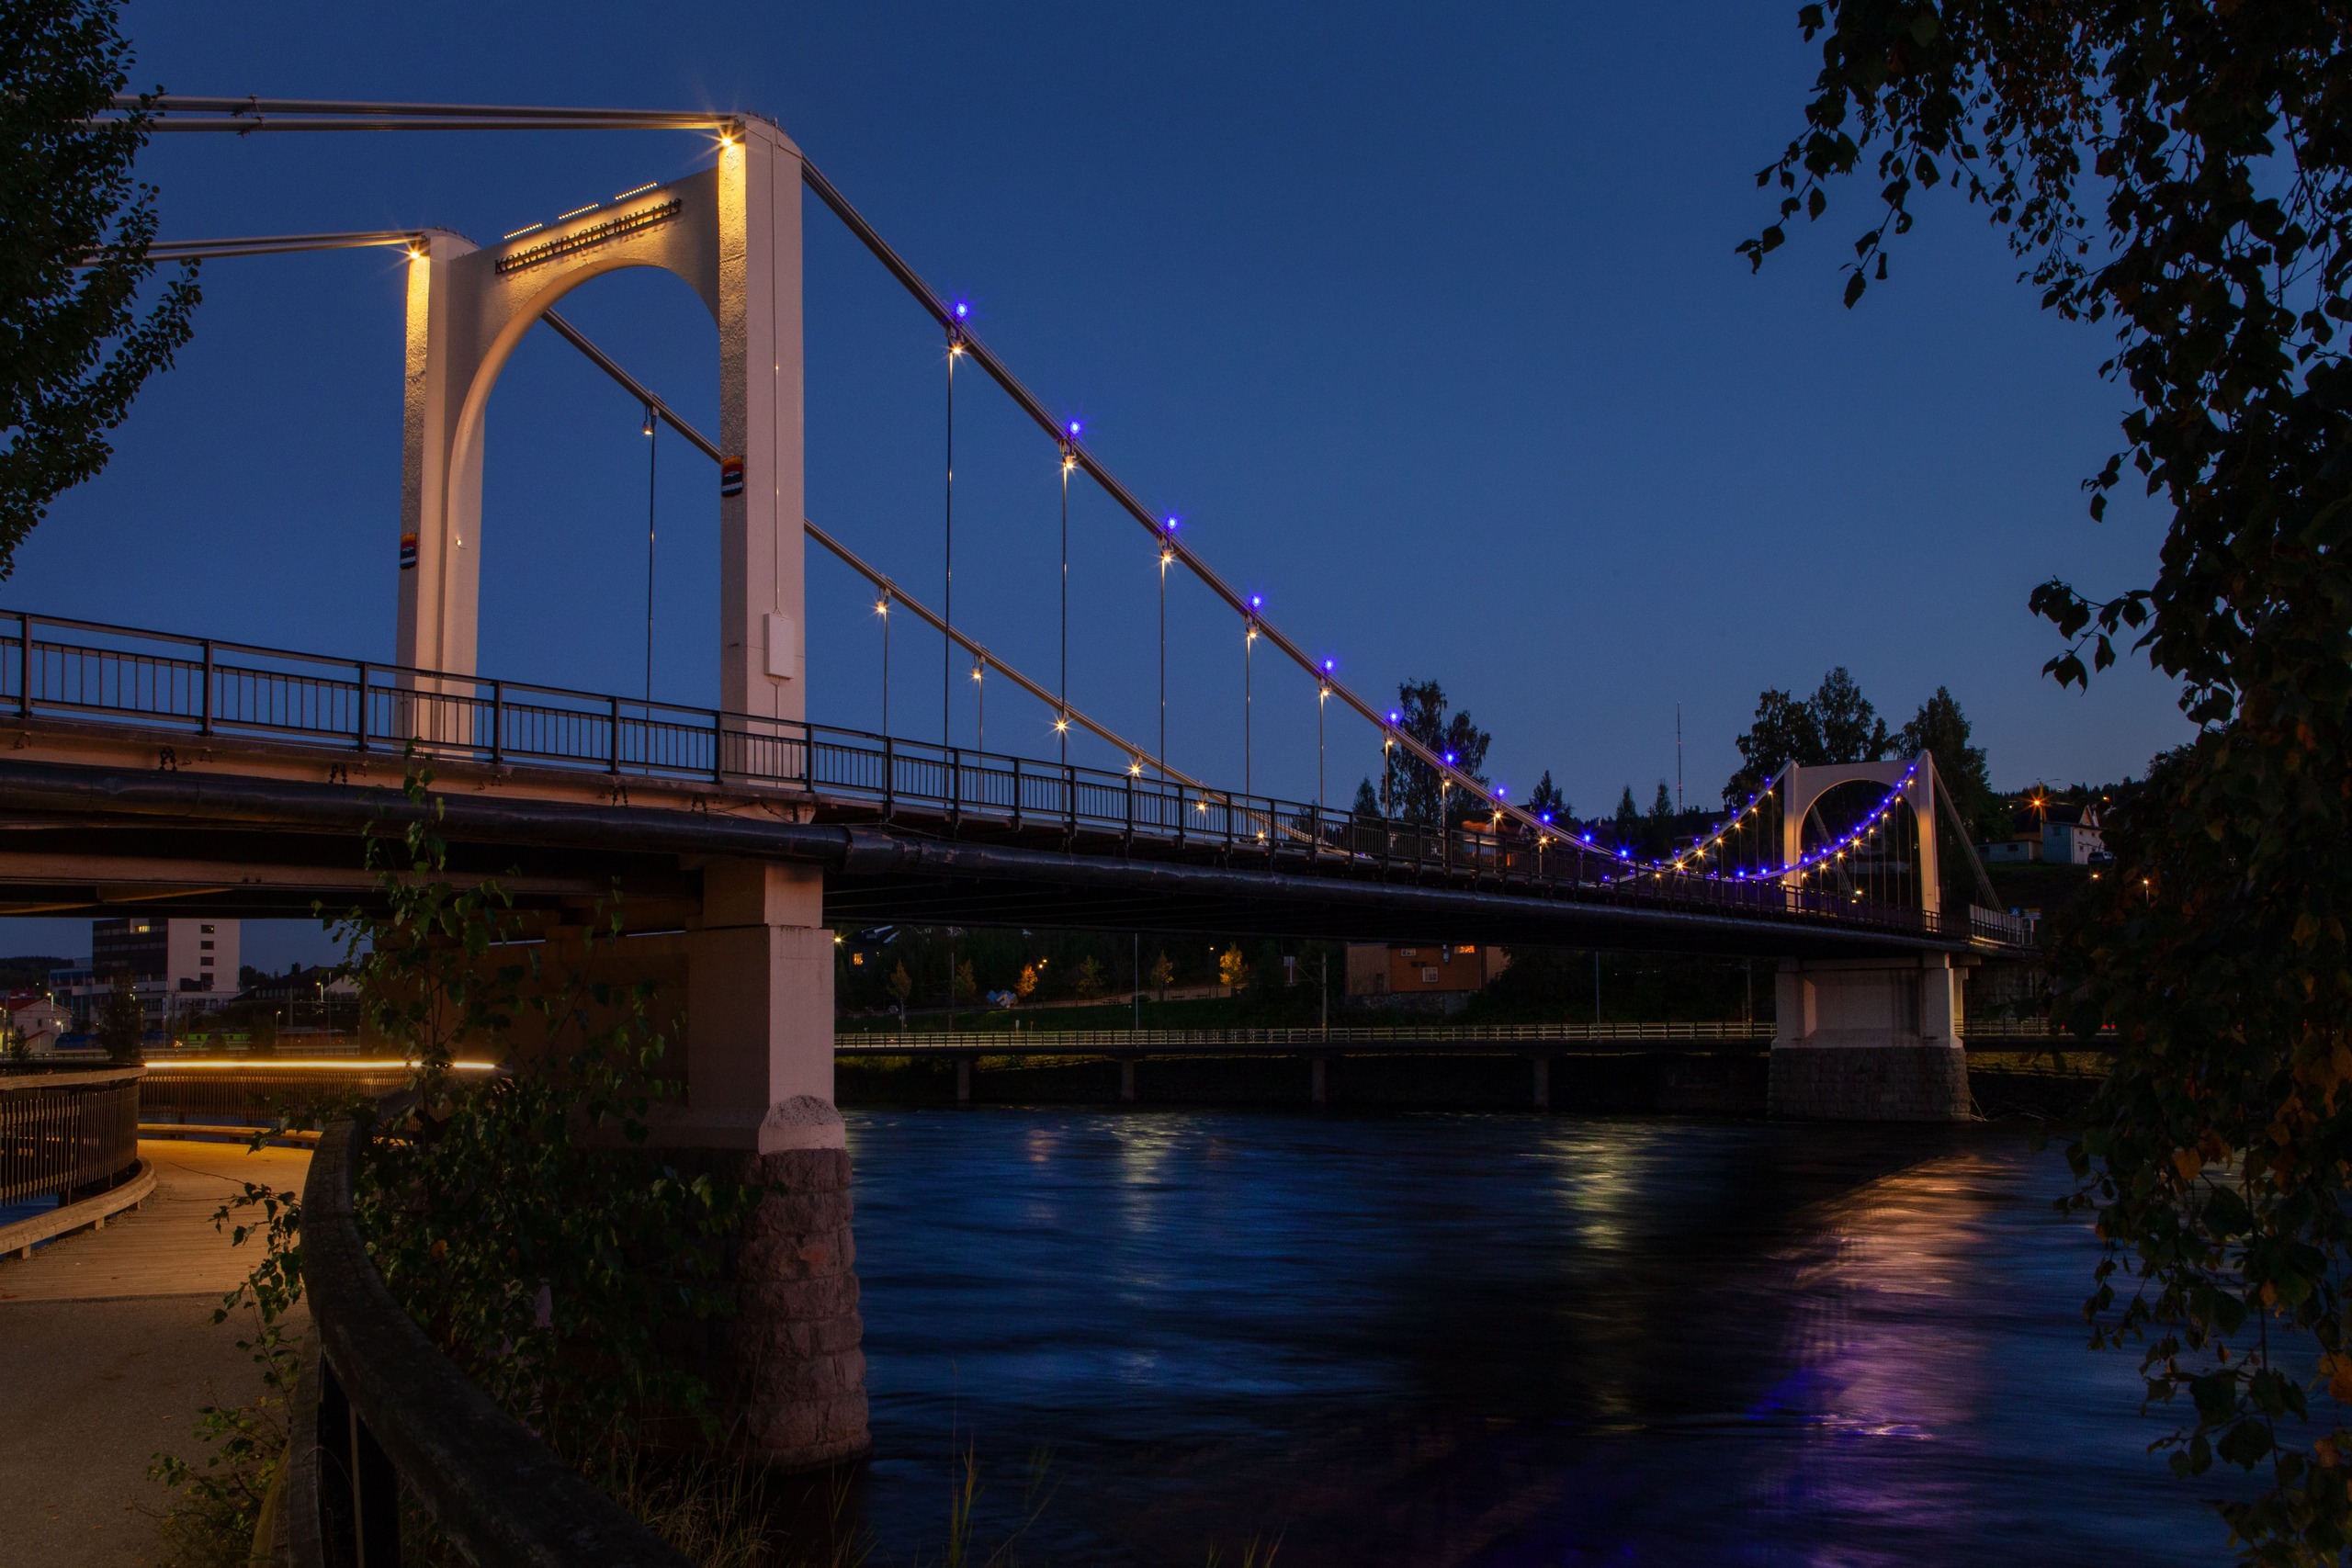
{"x":1543,"y":1082}
{"x":1319,"y":1081}
{"x":1869,"y":1041}
{"x":787,"y":1368}
{"x":1128,"y":1079}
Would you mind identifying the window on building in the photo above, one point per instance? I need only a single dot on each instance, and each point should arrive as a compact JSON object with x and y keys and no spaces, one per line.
{"x":205,"y":930}
{"x":204,"y":947}
{"x":203,"y":964}
{"x":1429,"y":976}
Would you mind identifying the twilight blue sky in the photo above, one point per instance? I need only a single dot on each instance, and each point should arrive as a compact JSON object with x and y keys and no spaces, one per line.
{"x":1426,"y":320}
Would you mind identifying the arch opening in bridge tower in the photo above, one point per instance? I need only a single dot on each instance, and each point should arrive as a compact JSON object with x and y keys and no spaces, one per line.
{"x":571,"y":485}
{"x":732,"y":232}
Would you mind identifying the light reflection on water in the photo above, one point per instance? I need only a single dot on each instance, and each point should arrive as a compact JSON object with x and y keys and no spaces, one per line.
{"x":1490,"y":1340}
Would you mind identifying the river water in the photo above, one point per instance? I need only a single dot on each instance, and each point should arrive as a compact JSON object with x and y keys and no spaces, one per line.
{"x":1491,"y":1339}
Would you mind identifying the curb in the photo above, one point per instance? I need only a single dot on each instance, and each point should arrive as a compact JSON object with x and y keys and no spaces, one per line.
{"x":25,"y":1235}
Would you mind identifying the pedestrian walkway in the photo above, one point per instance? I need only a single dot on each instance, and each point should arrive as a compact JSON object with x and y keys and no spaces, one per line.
{"x":108,"y":1349}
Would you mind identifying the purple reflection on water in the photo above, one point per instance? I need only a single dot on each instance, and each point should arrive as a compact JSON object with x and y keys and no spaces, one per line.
{"x":1494,"y":1339}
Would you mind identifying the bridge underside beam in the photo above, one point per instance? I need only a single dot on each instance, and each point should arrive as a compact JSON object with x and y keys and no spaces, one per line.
{"x":81,"y":838}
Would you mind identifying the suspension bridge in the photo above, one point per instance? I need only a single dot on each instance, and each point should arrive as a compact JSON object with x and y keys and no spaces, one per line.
{"x":205,"y":775}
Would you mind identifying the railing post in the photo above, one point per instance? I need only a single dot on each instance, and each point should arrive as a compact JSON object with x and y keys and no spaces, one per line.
{"x":807,"y":757}
{"x":338,"y":1496}
{"x":717,"y":747}
{"x":1130,"y":840}
{"x":1069,"y":798}
{"x":207,"y":708}
{"x":890,"y":786}
{"x":25,"y":665}
{"x":615,"y":710}
{"x":375,"y":1489}
{"x":1016,"y":794}
{"x":497,"y":723}
{"x":954,"y":815}
{"x":360,"y":726}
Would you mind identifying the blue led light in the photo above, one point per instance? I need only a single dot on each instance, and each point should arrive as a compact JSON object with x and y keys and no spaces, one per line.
{"x":962,"y":310}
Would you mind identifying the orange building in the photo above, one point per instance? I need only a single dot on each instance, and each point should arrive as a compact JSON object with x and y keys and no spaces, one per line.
{"x":1383,"y":969}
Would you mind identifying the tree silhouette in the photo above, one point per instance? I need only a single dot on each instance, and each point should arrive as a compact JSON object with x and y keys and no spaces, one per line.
{"x":73,"y":348}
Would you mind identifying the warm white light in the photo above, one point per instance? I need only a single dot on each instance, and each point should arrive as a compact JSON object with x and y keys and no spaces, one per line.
{"x":334,"y":1065}
{"x":1060,"y":725}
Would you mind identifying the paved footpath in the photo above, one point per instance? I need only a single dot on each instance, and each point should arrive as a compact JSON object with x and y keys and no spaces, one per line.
{"x":108,"y":1349}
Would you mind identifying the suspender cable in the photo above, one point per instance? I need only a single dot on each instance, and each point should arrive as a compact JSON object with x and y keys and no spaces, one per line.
{"x":1165,"y":556}
{"x":652,"y":446}
{"x":1249,"y":651}
{"x":882,"y":609}
{"x":1322,"y":696}
{"x":1061,"y":719}
{"x":947,"y":606}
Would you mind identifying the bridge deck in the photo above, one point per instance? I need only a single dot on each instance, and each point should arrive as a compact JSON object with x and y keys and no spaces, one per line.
{"x":210,"y":778}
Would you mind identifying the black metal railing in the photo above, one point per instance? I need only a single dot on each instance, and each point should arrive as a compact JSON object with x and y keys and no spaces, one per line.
{"x":1403,"y":1038}
{"x":252,"y":1093}
{"x":168,"y":685}
{"x":380,"y":1412}
{"x":67,"y":1134}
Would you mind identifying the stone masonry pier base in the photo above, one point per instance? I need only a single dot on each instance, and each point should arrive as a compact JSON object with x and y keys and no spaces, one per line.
{"x":1869,"y":1041}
